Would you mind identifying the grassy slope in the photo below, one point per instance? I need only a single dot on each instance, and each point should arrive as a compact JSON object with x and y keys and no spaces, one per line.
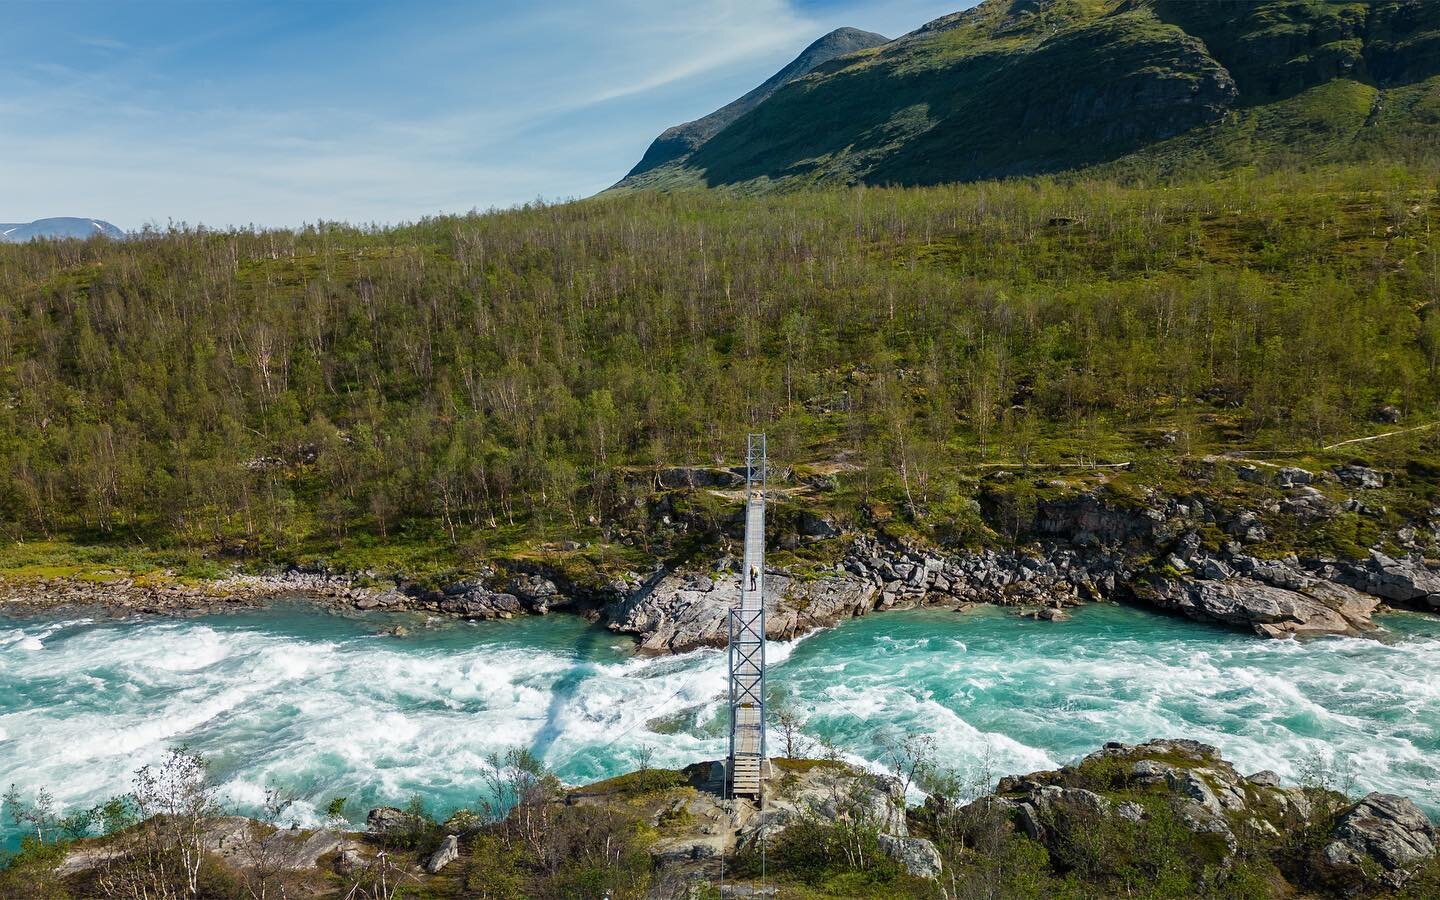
{"x":1161,"y":87}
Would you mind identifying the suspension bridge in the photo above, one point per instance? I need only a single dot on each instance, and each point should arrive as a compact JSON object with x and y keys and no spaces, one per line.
{"x":743,"y":767}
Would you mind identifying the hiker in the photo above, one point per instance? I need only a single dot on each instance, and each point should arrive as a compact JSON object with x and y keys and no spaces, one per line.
{"x":754,"y":577}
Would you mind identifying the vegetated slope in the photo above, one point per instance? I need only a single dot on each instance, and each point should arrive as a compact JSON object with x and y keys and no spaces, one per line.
{"x":470,"y":385}
{"x":1017,"y":87}
{"x":59,"y":227}
{"x":680,"y":141}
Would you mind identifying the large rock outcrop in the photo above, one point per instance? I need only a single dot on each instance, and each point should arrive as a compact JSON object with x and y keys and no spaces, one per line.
{"x":1383,"y":838}
{"x":684,"y":610}
{"x":1379,"y":842}
{"x":1318,"y":608}
{"x":1406,"y":581}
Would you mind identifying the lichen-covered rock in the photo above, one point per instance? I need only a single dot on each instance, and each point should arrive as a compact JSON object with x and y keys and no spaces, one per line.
{"x":916,"y":856}
{"x":448,"y":852}
{"x":1407,"y":580}
{"x":388,"y":820}
{"x":1316,"y":608}
{"x":1181,"y":778}
{"x":1382,"y":838}
{"x":1360,"y":476}
{"x":685,"y":610}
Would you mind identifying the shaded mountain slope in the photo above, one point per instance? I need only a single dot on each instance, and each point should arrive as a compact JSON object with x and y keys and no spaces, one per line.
{"x":1016,"y":87}
{"x":682,"y":140}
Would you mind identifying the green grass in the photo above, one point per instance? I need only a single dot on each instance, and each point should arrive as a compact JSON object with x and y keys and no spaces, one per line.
{"x":638,"y":783}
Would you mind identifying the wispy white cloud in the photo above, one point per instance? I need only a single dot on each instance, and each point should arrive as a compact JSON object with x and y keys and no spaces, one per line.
{"x":102,"y":43}
{"x":283,"y":113}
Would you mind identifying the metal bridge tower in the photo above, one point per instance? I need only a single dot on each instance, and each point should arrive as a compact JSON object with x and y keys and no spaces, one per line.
{"x":747,"y":638}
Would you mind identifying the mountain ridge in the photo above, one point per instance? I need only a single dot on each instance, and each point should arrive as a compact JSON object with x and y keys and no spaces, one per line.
{"x":57,"y":227}
{"x":679,"y":141}
{"x":1024,"y":87}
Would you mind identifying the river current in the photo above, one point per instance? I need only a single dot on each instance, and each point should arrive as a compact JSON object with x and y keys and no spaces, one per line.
{"x":324,"y":705}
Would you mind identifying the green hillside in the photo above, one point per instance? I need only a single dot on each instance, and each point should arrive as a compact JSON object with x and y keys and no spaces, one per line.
{"x":1139,"y":87}
{"x":434,"y":395}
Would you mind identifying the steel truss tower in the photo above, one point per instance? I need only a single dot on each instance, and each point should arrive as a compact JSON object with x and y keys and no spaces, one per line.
{"x":747,"y":638}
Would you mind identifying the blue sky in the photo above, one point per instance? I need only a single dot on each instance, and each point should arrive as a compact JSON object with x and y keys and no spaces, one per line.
{"x":280,"y":113}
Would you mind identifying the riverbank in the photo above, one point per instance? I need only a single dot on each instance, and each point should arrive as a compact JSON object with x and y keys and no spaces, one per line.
{"x":680,"y":608}
{"x":1269,"y":549}
{"x":1165,"y":817}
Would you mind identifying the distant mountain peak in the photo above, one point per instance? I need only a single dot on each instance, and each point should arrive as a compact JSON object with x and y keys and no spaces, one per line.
{"x":1024,"y":87}
{"x":681,"y":140}
{"x":59,"y":227}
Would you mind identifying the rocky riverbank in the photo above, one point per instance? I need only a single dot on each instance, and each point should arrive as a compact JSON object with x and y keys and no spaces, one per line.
{"x":1189,"y":555}
{"x":165,"y":595}
{"x":1170,"y":812}
{"x":675,"y":610}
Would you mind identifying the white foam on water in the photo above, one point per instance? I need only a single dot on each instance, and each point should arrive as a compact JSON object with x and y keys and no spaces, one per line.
{"x":380,"y":720}
{"x":35,"y":637}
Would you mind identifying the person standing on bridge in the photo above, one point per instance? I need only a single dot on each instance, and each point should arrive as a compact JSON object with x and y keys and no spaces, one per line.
{"x":754,"y":577}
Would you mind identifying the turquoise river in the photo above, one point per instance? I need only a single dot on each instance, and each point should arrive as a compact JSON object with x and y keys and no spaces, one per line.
{"x":323,"y":705}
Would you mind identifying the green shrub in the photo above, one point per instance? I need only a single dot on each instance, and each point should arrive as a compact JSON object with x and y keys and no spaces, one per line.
{"x":30,"y":871}
{"x":816,"y":853}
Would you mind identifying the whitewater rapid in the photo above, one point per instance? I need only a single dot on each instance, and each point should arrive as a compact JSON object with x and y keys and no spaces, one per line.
{"x":323,"y":706}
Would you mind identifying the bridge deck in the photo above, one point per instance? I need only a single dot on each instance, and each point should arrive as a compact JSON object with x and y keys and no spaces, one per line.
{"x":747,"y":639}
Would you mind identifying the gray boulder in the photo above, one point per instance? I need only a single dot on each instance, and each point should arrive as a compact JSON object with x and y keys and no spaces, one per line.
{"x":449,"y":852}
{"x":685,"y":610}
{"x":699,"y":477}
{"x":1359,"y":476}
{"x":1307,"y":504}
{"x":817,"y":527}
{"x":1252,"y":474}
{"x":1214,"y":570}
{"x":1317,"y":608}
{"x":1291,"y":476}
{"x":1401,"y":580}
{"x":482,"y":604}
{"x":537,"y":593}
{"x":388,"y":820}
{"x":916,"y":856}
{"x":1383,"y":836}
